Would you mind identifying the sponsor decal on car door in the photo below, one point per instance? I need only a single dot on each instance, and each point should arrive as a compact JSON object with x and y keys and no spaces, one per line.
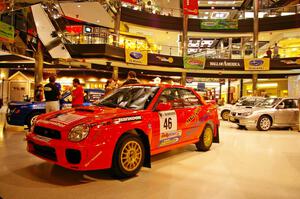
{"x":169,"y":133}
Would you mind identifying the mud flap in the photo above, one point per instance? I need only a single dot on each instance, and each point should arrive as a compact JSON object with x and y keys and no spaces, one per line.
{"x":216,"y":138}
{"x":147,"y":161}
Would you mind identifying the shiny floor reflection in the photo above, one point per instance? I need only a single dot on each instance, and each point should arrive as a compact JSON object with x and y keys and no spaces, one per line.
{"x":246,"y":164}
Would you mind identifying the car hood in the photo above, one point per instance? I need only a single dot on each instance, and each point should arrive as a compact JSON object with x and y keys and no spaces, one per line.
{"x":87,"y":115}
{"x":247,"y":109}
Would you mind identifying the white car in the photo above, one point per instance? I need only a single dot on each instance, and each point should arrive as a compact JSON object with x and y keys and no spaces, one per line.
{"x":243,"y":102}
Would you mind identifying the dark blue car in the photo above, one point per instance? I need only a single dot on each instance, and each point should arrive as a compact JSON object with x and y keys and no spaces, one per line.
{"x":23,"y":113}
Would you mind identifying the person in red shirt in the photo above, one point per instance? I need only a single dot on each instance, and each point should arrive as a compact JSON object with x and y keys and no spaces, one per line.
{"x":77,"y":94}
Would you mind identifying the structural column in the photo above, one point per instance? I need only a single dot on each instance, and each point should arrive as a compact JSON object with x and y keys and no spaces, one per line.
{"x":117,"y":23}
{"x":241,"y":88}
{"x":185,"y":35}
{"x":228,"y":92}
{"x":255,"y":41}
{"x":230,"y":47}
{"x":115,"y":74}
{"x":183,"y":78}
{"x":39,"y":61}
{"x":242,"y":47}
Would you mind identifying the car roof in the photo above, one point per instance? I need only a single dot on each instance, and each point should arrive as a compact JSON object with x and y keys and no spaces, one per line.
{"x":159,"y":85}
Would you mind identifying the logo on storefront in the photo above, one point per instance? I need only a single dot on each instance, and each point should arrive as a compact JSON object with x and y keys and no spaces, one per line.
{"x":136,"y":55}
{"x":256,"y":62}
{"x":164,"y":59}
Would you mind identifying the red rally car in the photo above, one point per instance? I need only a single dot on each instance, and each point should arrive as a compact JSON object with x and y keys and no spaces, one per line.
{"x":125,"y":129}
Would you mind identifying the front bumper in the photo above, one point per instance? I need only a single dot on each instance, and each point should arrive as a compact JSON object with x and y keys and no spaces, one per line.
{"x":70,"y":155}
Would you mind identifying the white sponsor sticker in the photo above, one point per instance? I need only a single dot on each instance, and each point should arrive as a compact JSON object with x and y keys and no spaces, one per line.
{"x":128,"y":119}
{"x":167,"y":121}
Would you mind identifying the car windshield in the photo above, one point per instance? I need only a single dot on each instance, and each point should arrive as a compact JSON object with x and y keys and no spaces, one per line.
{"x":130,"y":97}
{"x":268,"y":103}
{"x":250,"y":102}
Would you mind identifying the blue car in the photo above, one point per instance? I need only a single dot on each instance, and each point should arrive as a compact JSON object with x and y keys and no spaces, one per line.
{"x":23,"y":113}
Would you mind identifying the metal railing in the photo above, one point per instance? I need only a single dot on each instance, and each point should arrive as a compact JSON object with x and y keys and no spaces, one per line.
{"x":206,"y":14}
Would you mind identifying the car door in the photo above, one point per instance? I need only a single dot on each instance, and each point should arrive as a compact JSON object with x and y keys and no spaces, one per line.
{"x":167,"y":125}
{"x":288,"y":114}
{"x":194,"y":114}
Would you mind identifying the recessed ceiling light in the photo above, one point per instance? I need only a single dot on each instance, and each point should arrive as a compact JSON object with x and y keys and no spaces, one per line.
{"x":78,"y":6}
{"x":98,"y":21}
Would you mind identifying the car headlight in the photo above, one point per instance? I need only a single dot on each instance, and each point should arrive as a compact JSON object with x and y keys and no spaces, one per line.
{"x":246,"y":113}
{"x":79,"y":133}
{"x":34,"y":120}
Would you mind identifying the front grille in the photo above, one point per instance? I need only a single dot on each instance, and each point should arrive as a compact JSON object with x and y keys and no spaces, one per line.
{"x":43,"y":151}
{"x":49,"y":133}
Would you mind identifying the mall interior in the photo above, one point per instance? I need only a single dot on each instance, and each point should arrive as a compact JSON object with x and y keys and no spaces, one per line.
{"x":223,"y":50}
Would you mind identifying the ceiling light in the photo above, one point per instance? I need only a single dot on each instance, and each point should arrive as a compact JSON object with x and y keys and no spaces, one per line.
{"x":78,"y":6}
{"x":206,"y":13}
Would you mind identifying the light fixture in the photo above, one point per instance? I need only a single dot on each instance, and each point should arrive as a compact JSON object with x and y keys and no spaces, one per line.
{"x":78,"y":6}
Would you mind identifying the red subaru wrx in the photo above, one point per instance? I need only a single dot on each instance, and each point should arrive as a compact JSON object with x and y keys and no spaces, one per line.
{"x":125,"y":129}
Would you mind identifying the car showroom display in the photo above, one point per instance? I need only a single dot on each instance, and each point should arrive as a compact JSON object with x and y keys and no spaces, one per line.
{"x":124,"y":129}
{"x":241,"y":103}
{"x":23,"y":113}
{"x":272,"y":112}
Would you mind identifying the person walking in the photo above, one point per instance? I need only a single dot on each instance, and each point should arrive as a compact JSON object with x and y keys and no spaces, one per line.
{"x":77,"y":94}
{"x":52,"y":95}
{"x":131,"y":78}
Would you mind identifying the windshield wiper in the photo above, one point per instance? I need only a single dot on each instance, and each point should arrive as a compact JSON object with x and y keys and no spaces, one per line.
{"x":112,"y":105}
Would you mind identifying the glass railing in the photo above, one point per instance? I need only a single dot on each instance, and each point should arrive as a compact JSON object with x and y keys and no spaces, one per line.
{"x":174,"y":50}
{"x":216,"y":13}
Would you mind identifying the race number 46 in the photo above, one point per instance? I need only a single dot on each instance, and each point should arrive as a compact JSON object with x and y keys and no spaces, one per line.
{"x":168,"y":121}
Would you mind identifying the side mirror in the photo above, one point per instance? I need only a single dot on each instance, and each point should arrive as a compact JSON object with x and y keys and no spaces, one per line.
{"x":164,"y":106}
{"x":280,"y":106}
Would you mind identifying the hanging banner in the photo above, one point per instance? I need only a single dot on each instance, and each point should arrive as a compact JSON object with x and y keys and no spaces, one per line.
{"x":219,"y":24}
{"x":7,"y":33}
{"x":130,"y":1}
{"x":134,"y":56}
{"x":257,"y":64}
{"x":196,"y":62}
{"x":190,"y":7}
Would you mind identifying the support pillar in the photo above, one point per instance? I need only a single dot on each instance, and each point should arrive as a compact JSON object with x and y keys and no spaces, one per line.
{"x":228,"y":92}
{"x":230,"y":47}
{"x":242,"y":48}
{"x":255,"y":42}
{"x":38,"y":67}
{"x":241,"y":88}
{"x":185,"y":35}
{"x":115,"y":74}
{"x":117,"y":23}
{"x":254,"y":84}
{"x":183,"y":78}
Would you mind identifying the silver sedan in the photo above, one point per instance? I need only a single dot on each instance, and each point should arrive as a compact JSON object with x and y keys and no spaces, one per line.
{"x":273,"y":112}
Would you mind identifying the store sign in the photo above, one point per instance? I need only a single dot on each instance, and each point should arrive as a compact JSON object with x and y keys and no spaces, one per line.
{"x":165,"y":59}
{"x":224,"y":64}
{"x":257,"y":64}
{"x":74,"y":29}
{"x":190,"y":7}
{"x":134,"y":56}
{"x":7,"y":33}
{"x":130,"y":1}
{"x":194,"y":62}
{"x":219,"y":24}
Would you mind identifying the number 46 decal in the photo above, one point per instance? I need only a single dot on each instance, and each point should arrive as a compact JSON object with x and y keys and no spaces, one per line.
{"x":168,"y":121}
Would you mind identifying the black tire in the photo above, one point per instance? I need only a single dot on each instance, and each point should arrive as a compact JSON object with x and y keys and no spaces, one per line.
{"x":119,"y":169}
{"x":206,"y":139}
{"x":264,"y":123}
{"x":241,"y":126}
{"x":30,"y":117}
{"x":225,"y":115}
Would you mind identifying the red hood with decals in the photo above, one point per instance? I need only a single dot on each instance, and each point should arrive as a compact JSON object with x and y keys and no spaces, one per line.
{"x":92,"y":114}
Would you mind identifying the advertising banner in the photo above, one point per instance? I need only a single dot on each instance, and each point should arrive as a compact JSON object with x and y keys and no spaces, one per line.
{"x":7,"y":32}
{"x":257,"y":64}
{"x":130,"y":1}
{"x":190,"y":7}
{"x":196,"y":62}
{"x":230,"y":64}
{"x":134,"y":56}
{"x":219,"y":24}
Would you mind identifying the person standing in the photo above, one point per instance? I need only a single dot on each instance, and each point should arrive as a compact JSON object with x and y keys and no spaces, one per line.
{"x":110,"y":86}
{"x":131,"y":78}
{"x":77,"y":94}
{"x":38,"y":96}
{"x":276,"y":51}
{"x":269,"y":53}
{"x":52,"y":95}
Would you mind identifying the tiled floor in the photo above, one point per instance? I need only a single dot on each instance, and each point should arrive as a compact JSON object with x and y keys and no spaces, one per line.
{"x":246,"y":164}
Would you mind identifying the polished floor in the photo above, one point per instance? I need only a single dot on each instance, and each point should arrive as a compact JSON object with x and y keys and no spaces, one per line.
{"x":245,"y":165}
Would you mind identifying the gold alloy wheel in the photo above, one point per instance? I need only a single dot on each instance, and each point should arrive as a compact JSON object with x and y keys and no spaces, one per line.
{"x":131,"y":156}
{"x":207,"y":137}
{"x":225,"y":115}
